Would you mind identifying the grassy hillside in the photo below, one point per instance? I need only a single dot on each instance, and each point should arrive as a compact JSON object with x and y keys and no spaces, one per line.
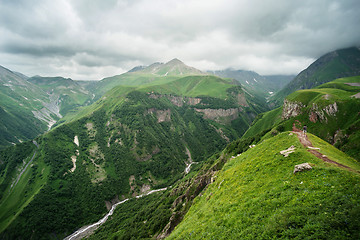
{"x":19,"y":98}
{"x":330,"y":111}
{"x":337,"y":64}
{"x":257,"y":196}
{"x":195,"y":86}
{"x":264,"y":121}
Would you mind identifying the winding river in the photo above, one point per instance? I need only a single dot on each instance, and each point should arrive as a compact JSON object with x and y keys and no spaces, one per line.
{"x":88,"y":230}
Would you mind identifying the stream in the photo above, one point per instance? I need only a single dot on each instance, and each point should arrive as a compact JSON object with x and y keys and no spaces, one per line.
{"x":88,"y":230}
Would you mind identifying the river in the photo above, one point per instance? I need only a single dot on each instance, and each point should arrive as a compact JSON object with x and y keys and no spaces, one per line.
{"x":88,"y":230}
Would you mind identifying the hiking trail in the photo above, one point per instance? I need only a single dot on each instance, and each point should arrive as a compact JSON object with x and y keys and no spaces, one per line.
{"x":306,"y":143}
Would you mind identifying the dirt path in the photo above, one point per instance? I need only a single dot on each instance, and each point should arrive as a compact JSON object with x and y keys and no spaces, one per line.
{"x":306,"y":143}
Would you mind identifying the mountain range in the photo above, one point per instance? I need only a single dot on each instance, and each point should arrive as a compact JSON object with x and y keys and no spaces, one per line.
{"x":183,"y":154}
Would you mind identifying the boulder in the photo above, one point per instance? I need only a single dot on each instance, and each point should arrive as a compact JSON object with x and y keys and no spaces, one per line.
{"x":302,"y":167}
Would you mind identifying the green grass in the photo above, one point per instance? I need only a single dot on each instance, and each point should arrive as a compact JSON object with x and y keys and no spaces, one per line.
{"x":194,"y":86}
{"x":263,"y":122}
{"x":333,"y":153}
{"x":256,"y":196}
{"x":16,"y":199}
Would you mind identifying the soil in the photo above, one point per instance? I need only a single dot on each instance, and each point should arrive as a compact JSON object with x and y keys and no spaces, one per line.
{"x":306,"y":143}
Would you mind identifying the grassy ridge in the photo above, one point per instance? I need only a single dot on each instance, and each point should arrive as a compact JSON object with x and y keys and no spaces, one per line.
{"x":256,"y":196}
{"x":341,"y":128}
{"x":264,"y":121}
{"x":195,"y":86}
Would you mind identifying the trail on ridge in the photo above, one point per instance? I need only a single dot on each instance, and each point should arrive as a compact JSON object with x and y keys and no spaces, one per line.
{"x":306,"y":143}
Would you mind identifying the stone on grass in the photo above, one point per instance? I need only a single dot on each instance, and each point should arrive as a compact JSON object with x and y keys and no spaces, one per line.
{"x":286,"y":152}
{"x":302,"y":167}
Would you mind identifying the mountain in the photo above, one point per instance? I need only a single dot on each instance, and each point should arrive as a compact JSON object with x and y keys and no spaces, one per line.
{"x":20,"y":102}
{"x":333,"y":65}
{"x":156,"y":73}
{"x":173,"y":67}
{"x":330,"y":111}
{"x":257,"y":195}
{"x":130,"y":141}
{"x":279,"y":81}
{"x":266,"y":85}
{"x":66,"y":93}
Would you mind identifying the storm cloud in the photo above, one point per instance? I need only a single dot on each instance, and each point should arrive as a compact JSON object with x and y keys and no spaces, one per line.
{"x":96,"y":39}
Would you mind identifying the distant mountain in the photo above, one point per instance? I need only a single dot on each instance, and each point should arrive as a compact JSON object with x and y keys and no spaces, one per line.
{"x":156,"y":73}
{"x":20,"y":102}
{"x":66,"y":93}
{"x":173,"y":67}
{"x":254,"y":82}
{"x":279,"y":81}
{"x":30,"y":106}
{"x":333,"y":65}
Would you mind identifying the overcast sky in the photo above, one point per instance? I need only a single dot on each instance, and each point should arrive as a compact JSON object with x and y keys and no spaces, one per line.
{"x":84,"y":39}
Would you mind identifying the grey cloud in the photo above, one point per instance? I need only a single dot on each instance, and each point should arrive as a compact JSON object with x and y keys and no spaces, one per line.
{"x":75,"y":38}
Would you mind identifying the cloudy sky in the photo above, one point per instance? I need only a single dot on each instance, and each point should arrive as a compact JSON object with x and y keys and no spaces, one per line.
{"x":93,"y":39}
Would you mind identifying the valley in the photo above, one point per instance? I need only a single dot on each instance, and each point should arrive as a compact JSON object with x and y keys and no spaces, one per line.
{"x":169,"y":151}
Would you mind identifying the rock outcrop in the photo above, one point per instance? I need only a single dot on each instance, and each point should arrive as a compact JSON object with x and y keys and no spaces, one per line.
{"x":317,"y":113}
{"x":177,"y":100}
{"x":162,"y":115}
{"x":291,"y":109}
{"x":220,"y":115}
{"x":302,"y":167}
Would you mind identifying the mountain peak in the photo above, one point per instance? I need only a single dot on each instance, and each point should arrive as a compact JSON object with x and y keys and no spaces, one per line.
{"x":174,"y":61}
{"x":173,"y":67}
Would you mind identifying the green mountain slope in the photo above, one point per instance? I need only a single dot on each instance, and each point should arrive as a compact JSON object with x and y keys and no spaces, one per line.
{"x":128,"y":142}
{"x":257,"y":196}
{"x":18,"y":100}
{"x":337,"y":64}
{"x":68,"y":93}
{"x":155,"y":74}
{"x":330,"y":111}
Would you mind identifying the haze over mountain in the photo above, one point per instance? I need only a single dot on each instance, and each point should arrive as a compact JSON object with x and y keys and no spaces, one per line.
{"x":266,"y":85}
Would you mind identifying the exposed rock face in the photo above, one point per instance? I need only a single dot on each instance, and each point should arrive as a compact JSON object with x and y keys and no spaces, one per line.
{"x":51,"y":108}
{"x":291,"y":109}
{"x":316,"y":113}
{"x":218,"y":114}
{"x":178,"y":100}
{"x":302,"y":167}
{"x":162,"y":115}
{"x":241,"y":100}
